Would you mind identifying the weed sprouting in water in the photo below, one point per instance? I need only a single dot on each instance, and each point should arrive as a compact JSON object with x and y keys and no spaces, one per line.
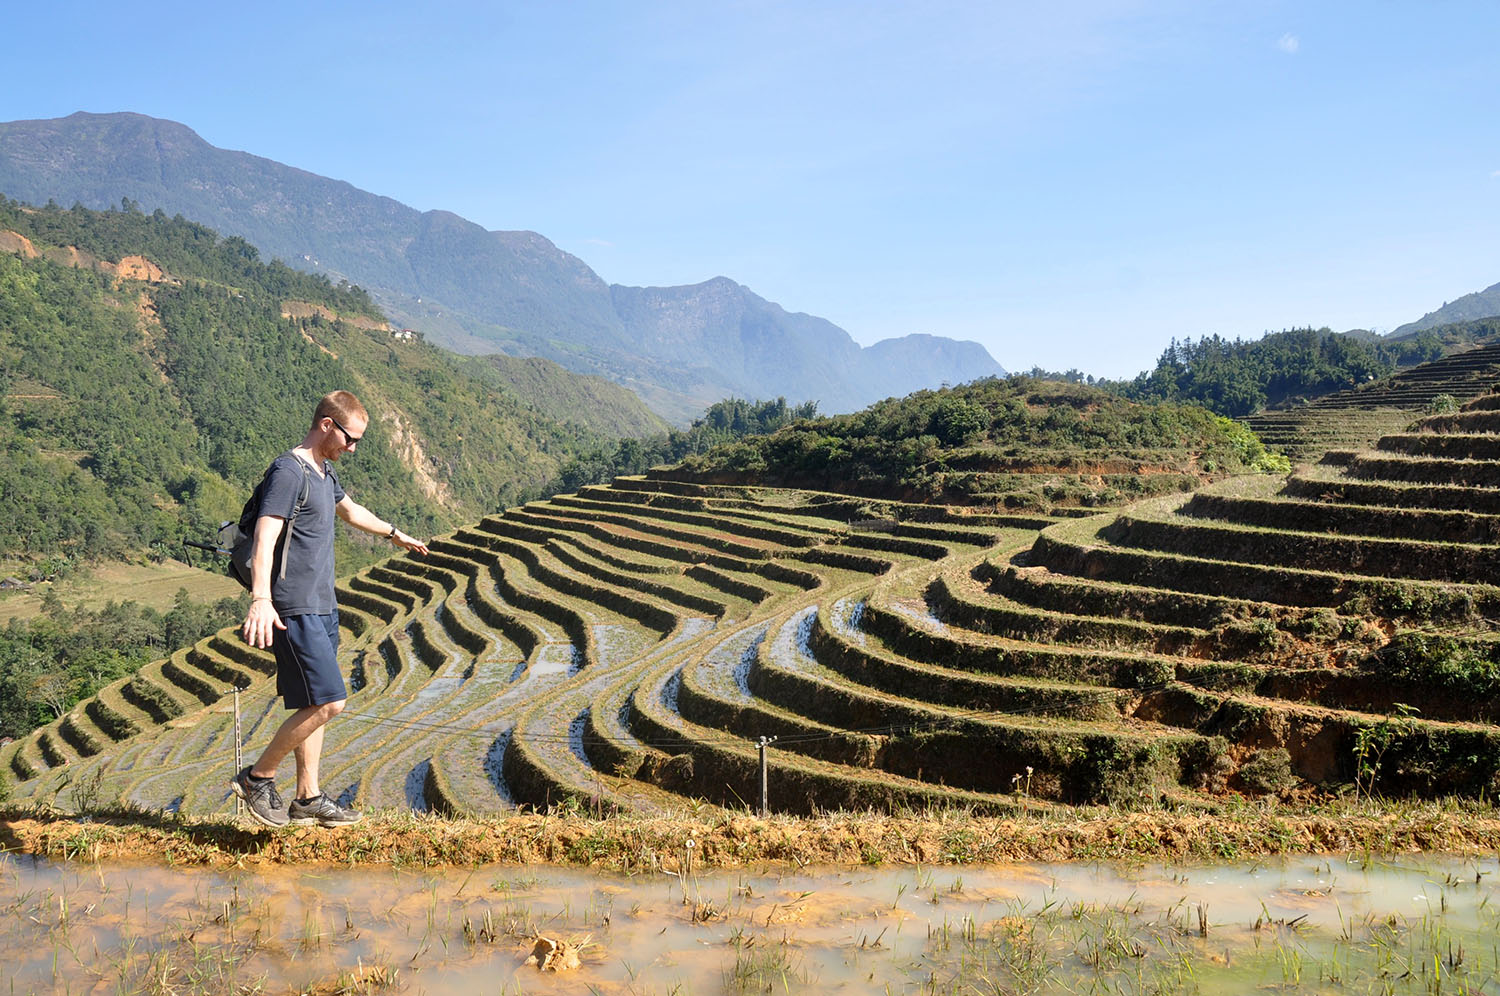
{"x":599,"y":909}
{"x":372,"y":978}
{"x":525,"y":881}
{"x":765,"y":968}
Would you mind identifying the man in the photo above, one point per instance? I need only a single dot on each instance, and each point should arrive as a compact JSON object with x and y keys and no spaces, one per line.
{"x":292,"y":608}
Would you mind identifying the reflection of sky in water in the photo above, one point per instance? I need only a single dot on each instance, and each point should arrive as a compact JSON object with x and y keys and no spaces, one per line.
{"x":554,"y":658}
{"x":725,"y":668}
{"x":846,"y":616}
{"x":575,"y":736}
{"x":919,"y":613}
{"x":670,"y":689}
{"x":415,"y":786}
{"x":435,"y":689}
{"x":617,"y":644}
{"x":1287,"y":925}
{"x":494,"y":766}
{"x":790,"y":647}
{"x":747,"y":661}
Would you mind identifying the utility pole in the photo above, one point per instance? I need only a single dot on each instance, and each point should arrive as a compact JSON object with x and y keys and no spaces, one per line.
{"x":239,"y":804}
{"x":765,"y":804}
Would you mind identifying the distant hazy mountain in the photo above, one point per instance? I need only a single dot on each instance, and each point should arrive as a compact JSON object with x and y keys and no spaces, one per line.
{"x":1480,"y":304}
{"x":680,"y":348}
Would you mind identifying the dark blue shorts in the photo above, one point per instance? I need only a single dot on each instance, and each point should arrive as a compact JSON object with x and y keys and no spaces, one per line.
{"x":307,"y":667}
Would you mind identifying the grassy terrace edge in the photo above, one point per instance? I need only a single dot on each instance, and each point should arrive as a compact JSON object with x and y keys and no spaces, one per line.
{"x":730,"y":839}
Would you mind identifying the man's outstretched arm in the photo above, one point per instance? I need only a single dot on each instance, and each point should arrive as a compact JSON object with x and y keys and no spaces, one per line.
{"x":360,"y":517}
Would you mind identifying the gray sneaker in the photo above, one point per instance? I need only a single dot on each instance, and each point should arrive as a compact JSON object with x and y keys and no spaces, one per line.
{"x":321,"y":810}
{"x":261,"y":798}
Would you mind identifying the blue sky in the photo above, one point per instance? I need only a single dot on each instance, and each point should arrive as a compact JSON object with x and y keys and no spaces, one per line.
{"x":1070,"y":186}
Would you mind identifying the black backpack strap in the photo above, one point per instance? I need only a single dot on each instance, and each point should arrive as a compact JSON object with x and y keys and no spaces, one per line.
{"x":286,"y":539}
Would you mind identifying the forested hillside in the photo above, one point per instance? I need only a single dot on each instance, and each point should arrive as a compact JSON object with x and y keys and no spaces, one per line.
{"x":723,"y":423}
{"x":1016,"y":442}
{"x":138,"y":412}
{"x":1239,"y":377}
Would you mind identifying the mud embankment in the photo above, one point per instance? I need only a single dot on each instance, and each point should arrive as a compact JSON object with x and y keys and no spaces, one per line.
{"x":734,"y":840}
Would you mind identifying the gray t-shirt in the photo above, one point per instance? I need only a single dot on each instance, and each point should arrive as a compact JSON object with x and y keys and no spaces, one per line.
{"x":308,"y":585}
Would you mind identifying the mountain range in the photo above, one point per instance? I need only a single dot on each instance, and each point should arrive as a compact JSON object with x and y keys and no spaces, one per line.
{"x":478,"y":291}
{"x":1470,"y":307}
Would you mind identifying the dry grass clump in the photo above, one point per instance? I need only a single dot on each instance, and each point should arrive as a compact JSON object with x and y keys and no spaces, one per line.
{"x":726,"y":839}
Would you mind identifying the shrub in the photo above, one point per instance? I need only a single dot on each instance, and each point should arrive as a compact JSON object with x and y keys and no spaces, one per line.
{"x":957,"y":420}
{"x":745,"y":457}
{"x":1127,"y":776}
{"x":1273,"y":463}
{"x":1250,"y":636}
{"x":1458,"y":667}
{"x":1268,"y":771}
{"x":1248,"y":450}
{"x":1322,"y":622}
{"x":1442,"y":404}
{"x":1413,"y":603}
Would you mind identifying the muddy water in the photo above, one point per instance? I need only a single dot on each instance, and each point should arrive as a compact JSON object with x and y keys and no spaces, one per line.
{"x":1416,"y":924}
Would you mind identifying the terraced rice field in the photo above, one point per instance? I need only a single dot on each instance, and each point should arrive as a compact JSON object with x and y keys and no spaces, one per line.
{"x":629,"y":647}
{"x":1354,"y":419}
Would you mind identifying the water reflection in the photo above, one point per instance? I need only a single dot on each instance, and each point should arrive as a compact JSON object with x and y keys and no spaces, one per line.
{"x":1417,"y":924}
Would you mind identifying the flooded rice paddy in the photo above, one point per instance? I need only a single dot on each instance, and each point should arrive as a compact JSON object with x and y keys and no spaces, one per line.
{"x":1419,"y":924}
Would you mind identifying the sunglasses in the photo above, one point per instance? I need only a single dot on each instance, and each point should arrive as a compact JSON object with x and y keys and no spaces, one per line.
{"x":350,"y":440}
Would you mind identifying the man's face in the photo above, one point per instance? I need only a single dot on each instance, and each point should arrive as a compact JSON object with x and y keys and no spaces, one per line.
{"x":343,"y":435}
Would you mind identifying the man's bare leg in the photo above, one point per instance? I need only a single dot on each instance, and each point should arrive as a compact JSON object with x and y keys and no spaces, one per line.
{"x":291,"y":735}
{"x":308,"y":753}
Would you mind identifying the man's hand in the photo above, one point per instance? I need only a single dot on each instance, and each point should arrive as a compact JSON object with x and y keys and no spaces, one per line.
{"x":360,"y":517}
{"x":411,"y":543}
{"x":260,"y":621}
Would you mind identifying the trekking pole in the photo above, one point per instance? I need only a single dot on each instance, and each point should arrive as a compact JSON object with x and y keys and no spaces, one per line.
{"x":239,"y":804}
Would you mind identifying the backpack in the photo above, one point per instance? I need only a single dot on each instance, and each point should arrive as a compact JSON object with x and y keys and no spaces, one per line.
{"x":238,"y":538}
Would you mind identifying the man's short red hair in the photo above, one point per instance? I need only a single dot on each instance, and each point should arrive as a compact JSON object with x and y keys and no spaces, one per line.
{"x":341,"y":406}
